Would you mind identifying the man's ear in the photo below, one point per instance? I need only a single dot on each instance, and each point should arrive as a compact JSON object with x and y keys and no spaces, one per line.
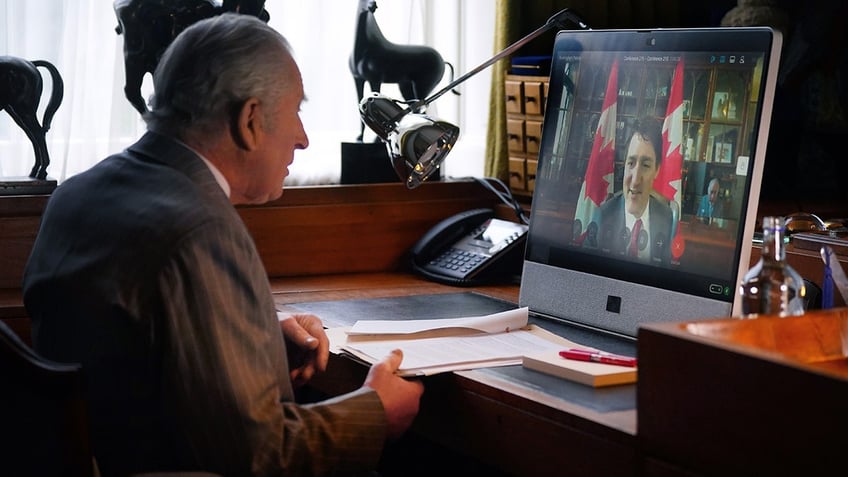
{"x":247,"y":124}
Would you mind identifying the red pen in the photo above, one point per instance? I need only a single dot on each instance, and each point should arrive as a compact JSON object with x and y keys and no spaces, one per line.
{"x":598,"y":357}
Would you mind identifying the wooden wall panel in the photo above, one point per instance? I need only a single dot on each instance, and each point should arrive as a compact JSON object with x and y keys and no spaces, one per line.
{"x":351,"y":229}
{"x":17,"y":235}
{"x":19,"y":220}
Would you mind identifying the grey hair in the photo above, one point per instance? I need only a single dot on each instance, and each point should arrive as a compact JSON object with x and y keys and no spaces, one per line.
{"x":211,"y":68}
{"x":714,"y":180}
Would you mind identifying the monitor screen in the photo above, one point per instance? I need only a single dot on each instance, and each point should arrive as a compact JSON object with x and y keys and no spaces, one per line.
{"x":649,"y":169}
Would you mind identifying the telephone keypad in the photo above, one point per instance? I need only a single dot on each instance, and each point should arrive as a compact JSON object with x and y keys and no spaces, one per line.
{"x":476,"y":250}
{"x":461,"y":261}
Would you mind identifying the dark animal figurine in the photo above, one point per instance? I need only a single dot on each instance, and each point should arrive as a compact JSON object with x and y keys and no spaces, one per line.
{"x":415,"y":69}
{"x":149,"y":26}
{"x":20,"y":93}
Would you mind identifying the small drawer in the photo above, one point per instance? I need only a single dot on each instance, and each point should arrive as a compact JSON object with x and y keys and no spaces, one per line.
{"x":533,"y":97}
{"x":515,"y":135}
{"x":514,"y":96}
{"x":517,"y":173}
{"x":531,"y":166}
{"x":532,"y":136}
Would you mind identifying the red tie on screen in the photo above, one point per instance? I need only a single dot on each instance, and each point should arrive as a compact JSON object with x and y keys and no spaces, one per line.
{"x":633,"y":249}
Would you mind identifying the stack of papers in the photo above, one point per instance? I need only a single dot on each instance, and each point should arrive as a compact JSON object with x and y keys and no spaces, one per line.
{"x":437,"y":346}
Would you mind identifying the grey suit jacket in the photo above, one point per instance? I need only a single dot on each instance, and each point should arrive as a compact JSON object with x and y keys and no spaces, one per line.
{"x":144,"y":272}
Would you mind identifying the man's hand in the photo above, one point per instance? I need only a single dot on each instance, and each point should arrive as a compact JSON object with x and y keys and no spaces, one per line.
{"x":307,"y":346}
{"x":400,"y":397}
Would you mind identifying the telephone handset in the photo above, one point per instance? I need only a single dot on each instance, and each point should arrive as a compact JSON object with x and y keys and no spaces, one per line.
{"x":469,"y":248}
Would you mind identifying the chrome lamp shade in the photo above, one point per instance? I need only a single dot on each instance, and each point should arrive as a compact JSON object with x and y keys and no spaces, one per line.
{"x":417,"y":143}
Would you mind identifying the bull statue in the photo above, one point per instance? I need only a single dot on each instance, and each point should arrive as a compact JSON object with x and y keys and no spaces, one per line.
{"x":416,"y":69}
{"x":20,"y":93}
{"x":149,"y":26}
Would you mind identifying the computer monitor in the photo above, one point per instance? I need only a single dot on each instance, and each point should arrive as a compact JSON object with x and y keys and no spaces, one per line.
{"x":603,"y":174}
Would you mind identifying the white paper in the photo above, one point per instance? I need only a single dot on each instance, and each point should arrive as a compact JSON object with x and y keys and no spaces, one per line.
{"x":438,"y":346}
{"x":494,"y":323}
{"x":433,"y":355}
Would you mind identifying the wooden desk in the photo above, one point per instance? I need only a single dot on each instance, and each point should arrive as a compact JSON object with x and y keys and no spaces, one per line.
{"x":518,"y":421}
{"x":338,"y":243}
{"x":349,"y":242}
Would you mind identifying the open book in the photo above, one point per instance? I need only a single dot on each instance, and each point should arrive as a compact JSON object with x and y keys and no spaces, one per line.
{"x":437,"y":346}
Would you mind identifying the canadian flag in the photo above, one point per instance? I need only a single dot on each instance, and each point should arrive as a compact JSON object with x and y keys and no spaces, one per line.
{"x":598,"y":182}
{"x":668,"y":180}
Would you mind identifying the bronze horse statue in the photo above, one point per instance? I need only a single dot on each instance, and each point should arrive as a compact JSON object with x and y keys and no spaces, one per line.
{"x":20,"y":93}
{"x":149,"y":26}
{"x":416,"y":69}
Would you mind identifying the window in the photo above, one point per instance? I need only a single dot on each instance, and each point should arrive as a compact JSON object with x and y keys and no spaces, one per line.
{"x":94,"y":119}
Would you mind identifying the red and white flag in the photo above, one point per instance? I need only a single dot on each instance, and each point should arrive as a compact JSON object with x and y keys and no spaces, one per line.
{"x":668,"y":180}
{"x":598,"y":182}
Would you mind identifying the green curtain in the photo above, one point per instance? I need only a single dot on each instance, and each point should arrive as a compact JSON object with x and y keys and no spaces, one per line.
{"x":497,"y":158}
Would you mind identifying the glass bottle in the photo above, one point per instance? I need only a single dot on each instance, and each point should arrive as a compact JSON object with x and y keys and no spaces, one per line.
{"x":771,"y":286}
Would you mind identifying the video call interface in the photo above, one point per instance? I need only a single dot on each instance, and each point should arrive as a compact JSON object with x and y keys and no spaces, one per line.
{"x":645,"y":165}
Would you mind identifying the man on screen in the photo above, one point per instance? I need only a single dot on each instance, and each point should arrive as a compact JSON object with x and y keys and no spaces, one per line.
{"x":634,"y":222}
{"x":710,"y":206}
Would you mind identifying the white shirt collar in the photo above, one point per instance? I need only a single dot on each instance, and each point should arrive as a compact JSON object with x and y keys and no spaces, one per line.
{"x":630,"y":219}
{"x":219,"y":177}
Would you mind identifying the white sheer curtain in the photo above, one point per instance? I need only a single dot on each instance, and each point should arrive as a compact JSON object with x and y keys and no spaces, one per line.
{"x":95,"y":119}
{"x":78,"y":37}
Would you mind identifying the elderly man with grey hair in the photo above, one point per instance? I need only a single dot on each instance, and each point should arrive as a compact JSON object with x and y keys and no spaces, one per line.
{"x":143,"y":272}
{"x":711,"y":206}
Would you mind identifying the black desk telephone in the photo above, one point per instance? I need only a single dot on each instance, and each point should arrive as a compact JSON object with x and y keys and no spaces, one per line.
{"x":470,"y":248}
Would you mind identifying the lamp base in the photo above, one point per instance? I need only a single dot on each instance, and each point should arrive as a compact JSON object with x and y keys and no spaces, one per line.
{"x":368,"y":163}
{"x":23,"y":185}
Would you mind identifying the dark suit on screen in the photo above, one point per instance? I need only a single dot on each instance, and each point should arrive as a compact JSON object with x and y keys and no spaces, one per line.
{"x":614,"y":236}
{"x":144,"y":272}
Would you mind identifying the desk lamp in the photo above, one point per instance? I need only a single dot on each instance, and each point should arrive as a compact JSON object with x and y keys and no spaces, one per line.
{"x":418,"y":143}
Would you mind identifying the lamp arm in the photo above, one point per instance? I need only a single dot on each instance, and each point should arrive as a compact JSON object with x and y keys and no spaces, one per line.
{"x":557,"y":20}
{"x":418,"y":147}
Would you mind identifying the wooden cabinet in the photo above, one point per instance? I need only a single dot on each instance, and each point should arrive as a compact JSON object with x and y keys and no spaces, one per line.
{"x":525,"y":108}
{"x":743,"y":397}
